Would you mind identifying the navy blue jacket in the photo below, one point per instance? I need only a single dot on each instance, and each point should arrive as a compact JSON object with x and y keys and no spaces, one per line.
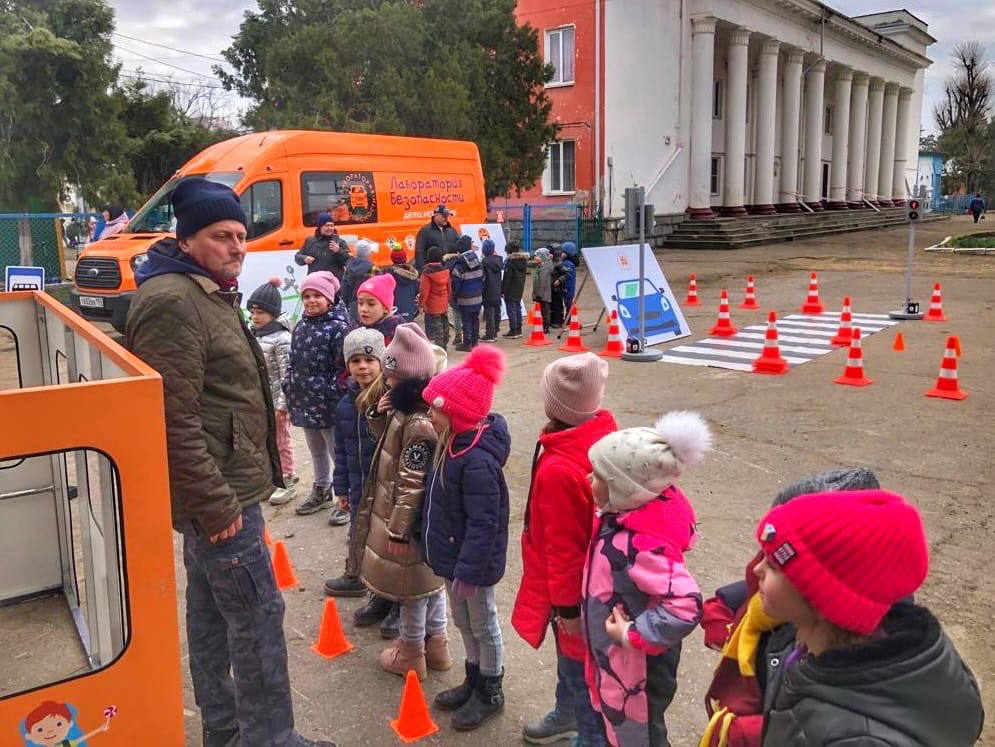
{"x":566,"y":272}
{"x":312,"y":384}
{"x":354,"y":447}
{"x":465,"y":514}
{"x":493,"y":267}
{"x":467,"y":277}
{"x":405,"y":290}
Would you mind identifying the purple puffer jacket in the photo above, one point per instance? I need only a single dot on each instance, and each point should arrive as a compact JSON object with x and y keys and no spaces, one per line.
{"x":636,"y":559}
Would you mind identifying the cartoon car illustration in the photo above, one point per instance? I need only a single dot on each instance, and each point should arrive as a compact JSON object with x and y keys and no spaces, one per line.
{"x":358,"y":199}
{"x":660,"y":316}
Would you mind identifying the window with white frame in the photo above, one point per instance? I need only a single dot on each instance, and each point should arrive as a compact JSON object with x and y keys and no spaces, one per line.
{"x":715,"y":177}
{"x":560,"y":54}
{"x":717,"y":99}
{"x":561,"y":167}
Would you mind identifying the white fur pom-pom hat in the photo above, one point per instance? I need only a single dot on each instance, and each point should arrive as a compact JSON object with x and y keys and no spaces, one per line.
{"x":637,"y":464}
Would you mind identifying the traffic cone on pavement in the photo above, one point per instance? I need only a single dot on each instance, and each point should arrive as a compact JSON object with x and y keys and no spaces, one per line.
{"x":935,"y":313}
{"x":331,"y":639}
{"x":413,"y":722}
{"x":538,"y":337}
{"x":899,"y":345}
{"x":853,"y":374}
{"x":947,"y":386}
{"x":957,"y":345}
{"x":845,"y":330}
{"x":574,"y":344}
{"x":282,"y":570}
{"x":723,"y":327}
{"x":770,"y":360}
{"x":692,"y":299}
{"x":613,"y":348}
{"x":812,"y":304}
{"x":267,"y":538}
{"x":750,"y":302}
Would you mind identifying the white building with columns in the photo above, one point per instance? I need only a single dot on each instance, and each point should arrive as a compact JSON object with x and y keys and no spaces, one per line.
{"x":729,"y":107}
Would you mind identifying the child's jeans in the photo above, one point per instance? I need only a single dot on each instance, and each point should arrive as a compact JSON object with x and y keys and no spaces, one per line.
{"x":457,"y":326}
{"x":471,"y":324}
{"x":423,"y":617}
{"x":437,"y":329}
{"x":514,"y":315}
{"x":477,"y":621}
{"x":572,"y":695}
{"x":284,"y":443}
{"x":492,"y":318}
{"x":321,"y":444}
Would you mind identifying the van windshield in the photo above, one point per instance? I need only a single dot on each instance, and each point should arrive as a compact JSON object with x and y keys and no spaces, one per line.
{"x":157,"y":214}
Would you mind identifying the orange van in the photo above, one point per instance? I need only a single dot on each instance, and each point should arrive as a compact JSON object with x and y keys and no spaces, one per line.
{"x":377,"y":187}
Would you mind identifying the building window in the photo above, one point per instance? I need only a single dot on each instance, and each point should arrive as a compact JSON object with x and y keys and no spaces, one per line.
{"x":717,"y":99}
{"x":561,"y":167}
{"x":827,"y":121}
{"x":560,"y":54}
{"x":715,"y":177}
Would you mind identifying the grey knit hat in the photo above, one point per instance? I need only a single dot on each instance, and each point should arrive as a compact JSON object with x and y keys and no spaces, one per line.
{"x":834,"y":480}
{"x":363,"y":341}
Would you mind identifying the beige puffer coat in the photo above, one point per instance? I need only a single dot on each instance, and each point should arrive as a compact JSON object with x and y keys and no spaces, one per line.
{"x":392,"y":502}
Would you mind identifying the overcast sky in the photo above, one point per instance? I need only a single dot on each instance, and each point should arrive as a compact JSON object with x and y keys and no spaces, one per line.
{"x":205,"y":27}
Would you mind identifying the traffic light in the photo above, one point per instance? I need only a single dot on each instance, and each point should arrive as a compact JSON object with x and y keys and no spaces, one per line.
{"x":913,"y":211}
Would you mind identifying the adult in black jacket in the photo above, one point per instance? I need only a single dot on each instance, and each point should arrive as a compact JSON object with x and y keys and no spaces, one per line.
{"x":326,"y":250}
{"x":513,"y":287}
{"x":977,"y":207}
{"x":438,"y":233}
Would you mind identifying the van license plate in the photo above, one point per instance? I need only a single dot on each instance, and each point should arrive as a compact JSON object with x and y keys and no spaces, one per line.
{"x":92,"y":302}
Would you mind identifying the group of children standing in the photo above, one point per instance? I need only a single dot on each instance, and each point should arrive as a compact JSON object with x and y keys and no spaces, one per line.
{"x":821,"y":644}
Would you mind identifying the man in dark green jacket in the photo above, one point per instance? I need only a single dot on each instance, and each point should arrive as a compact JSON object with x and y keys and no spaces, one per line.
{"x":185,"y":322}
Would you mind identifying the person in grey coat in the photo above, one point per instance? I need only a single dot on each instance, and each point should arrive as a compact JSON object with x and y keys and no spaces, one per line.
{"x":542,"y":285}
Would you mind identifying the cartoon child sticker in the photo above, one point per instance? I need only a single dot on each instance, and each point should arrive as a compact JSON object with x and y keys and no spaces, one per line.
{"x":483,"y":233}
{"x":54,"y":724}
{"x":409,"y":242}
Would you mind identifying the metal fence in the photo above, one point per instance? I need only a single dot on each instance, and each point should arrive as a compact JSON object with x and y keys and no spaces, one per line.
{"x":536,"y":226}
{"x":52,"y":237}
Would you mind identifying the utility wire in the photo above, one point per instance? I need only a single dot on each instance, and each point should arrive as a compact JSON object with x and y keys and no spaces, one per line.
{"x":166,"y":46}
{"x":166,"y":64}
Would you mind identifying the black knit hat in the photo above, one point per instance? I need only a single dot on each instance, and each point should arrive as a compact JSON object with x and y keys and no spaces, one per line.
{"x":198,"y":203}
{"x":267,"y":298}
{"x":433,"y":255}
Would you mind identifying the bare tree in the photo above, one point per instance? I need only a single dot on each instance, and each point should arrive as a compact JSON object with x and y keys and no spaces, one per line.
{"x":962,"y":115}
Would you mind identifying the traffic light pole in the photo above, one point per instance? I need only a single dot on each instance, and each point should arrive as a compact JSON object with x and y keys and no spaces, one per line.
{"x":911,"y":308}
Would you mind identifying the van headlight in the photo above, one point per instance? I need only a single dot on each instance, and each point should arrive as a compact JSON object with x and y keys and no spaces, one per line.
{"x":138,"y":260}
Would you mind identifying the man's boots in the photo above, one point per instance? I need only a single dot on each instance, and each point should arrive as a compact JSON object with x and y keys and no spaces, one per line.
{"x":221,"y":736}
{"x":450,"y":700}
{"x":437,"y":654}
{"x":487,"y":700}
{"x":403,"y":657}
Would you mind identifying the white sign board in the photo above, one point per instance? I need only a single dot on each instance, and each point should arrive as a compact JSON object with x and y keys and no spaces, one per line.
{"x":24,"y":278}
{"x":615,"y":270}
{"x":494,"y":232}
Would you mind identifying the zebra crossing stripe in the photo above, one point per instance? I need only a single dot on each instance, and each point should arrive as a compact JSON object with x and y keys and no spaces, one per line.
{"x":801,"y":338}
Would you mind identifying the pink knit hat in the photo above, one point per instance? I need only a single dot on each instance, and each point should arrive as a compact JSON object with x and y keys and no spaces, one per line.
{"x":574,"y":387}
{"x":465,"y":392}
{"x":409,"y":355}
{"x":324,"y":282}
{"x":381,"y":287}
{"x":852,"y":554}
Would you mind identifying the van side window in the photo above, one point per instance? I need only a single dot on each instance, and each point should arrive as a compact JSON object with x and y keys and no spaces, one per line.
{"x":263,"y":205}
{"x":349,"y":196}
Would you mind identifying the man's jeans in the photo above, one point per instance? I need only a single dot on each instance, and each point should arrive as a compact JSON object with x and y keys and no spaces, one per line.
{"x":235,"y":626}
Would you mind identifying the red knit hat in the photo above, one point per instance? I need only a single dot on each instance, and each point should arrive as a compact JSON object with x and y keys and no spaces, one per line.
{"x":465,"y":392}
{"x":851,"y":554}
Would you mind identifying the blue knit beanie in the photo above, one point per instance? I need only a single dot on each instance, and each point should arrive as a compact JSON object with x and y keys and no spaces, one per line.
{"x":323,"y":218}
{"x":487,"y":247}
{"x":569,"y":248}
{"x":198,"y":203}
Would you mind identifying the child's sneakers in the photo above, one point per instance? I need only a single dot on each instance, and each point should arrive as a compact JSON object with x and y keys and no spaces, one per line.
{"x":552,"y":727}
{"x":403,"y":657}
{"x":339,"y":517}
{"x":317,"y":499}
{"x":285,"y":494}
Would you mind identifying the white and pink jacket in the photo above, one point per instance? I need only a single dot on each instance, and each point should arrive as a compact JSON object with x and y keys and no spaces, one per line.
{"x":636,"y":559}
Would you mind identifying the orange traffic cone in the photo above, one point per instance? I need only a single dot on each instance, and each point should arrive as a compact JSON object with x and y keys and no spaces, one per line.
{"x":957,"y":345}
{"x":282,"y":570}
{"x":770,"y":360}
{"x":331,"y":639}
{"x":812,"y":304}
{"x":853,"y":374}
{"x":528,"y":319}
{"x":267,"y":538}
{"x":845,"y":330}
{"x":613,"y":348}
{"x":947,"y":386}
{"x":538,"y":337}
{"x":899,"y":345}
{"x":750,"y":302}
{"x":935,"y":313}
{"x":723,"y":327}
{"x":414,"y":721}
{"x":574,"y":344}
{"x":692,"y":299}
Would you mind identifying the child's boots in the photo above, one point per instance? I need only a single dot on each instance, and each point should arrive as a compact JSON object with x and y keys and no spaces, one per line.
{"x":437,"y":654}
{"x":487,"y":701}
{"x":403,"y":657}
{"x":456,"y":697}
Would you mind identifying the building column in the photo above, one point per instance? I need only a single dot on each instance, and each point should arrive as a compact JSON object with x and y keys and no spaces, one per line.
{"x":841,"y":140}
{"x":735,"y":113}
{"x":858,"y":131}
{"x":702,"y":89}
{"x":787,"y":200}
{"x":875,"y":106}
{"x":898,"y":191}
{"x":815,"y":82}
{"x":889,"y":119}
{"x":763,"y":197}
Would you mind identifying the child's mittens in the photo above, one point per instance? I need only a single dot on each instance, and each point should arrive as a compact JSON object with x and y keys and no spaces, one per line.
{"x":463,"y":590}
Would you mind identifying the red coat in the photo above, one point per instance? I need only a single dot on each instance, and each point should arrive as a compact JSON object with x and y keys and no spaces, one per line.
{"x":433,"y":296}
{"x":559,"y":518}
